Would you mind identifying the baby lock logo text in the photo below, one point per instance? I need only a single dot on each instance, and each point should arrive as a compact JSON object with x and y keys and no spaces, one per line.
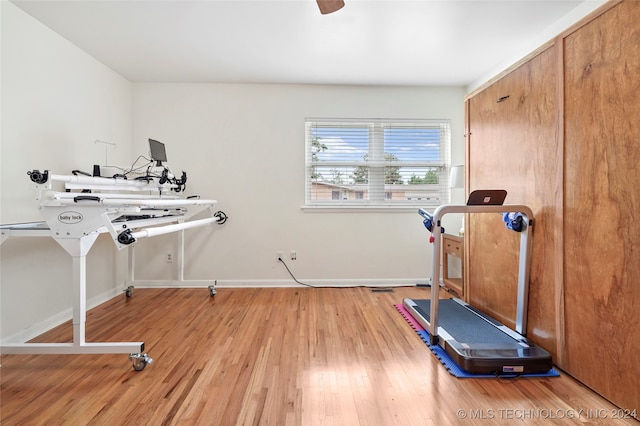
{"x":70,"y":217}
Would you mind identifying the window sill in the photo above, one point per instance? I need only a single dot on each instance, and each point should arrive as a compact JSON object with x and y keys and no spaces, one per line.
{"x":361,"y":209}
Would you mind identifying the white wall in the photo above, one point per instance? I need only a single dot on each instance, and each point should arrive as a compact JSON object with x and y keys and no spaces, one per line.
{"x":241,"y":144}
{"x":56,"y":101}
{"x":244,"y":146}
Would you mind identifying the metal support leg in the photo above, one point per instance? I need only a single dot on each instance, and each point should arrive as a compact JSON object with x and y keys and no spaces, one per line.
{"x":79,"y":298}
{"x":181,"y":255}
{"x":78,"y":248}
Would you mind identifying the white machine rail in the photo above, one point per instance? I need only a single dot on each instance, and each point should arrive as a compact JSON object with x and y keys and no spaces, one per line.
{"x":128,"y":210}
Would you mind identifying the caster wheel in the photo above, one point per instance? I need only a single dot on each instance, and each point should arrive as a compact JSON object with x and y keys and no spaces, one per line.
{"x":212,"y":291}
{"x":140,"y":361}
{"x":139,"y":365}
{"x":129,"y":291}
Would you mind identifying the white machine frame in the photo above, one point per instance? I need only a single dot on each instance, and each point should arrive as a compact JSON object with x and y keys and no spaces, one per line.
{"x":128,"y":210}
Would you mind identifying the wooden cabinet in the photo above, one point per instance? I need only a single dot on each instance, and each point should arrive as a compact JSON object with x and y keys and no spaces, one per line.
{"x":560,"y":132}
{"x":512,"y":146}
{"x":453,"y":246}
{"x":602,"y":185}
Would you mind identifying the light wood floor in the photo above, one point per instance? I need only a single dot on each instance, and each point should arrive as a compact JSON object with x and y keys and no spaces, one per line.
{"x":272,"y":357}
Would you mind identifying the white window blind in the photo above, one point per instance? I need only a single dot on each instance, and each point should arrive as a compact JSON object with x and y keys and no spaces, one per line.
{"x":377,"y":162}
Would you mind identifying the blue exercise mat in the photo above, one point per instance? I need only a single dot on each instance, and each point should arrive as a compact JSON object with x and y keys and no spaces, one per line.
{"x":450,"y":365}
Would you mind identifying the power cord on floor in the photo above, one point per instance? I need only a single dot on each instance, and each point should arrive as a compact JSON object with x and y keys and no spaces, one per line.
{"x":351,"y":286}
{"x":293,"y":276}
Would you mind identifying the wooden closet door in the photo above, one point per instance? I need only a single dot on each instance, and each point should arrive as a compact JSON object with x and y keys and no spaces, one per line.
{"x":513,"y":145}
{"x":602,"y":204}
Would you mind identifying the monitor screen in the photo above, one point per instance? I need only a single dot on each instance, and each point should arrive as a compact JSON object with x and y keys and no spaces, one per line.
{"x":158,"y":152}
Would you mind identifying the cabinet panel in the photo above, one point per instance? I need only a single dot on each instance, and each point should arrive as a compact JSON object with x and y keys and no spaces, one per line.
{"x":602,"y":204}
{"x":513,"y":145}
{"x":453,"y":246}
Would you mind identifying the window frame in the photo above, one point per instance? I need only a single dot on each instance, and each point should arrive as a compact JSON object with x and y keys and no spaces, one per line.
{"x":378,"y":191}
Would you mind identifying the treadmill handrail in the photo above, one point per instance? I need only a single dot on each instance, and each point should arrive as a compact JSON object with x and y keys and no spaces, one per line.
{"x":524,"y":268}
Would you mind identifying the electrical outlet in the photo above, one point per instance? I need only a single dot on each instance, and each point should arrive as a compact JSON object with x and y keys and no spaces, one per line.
{"x":169,"y":258}
{"x":279,"y":255}
{"x":293,"y":255}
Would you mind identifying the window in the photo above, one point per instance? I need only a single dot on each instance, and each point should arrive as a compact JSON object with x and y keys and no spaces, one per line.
{"x":377,"y":163}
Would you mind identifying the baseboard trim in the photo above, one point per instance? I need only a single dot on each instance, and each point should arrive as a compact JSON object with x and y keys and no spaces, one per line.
{"x":385,"y":282}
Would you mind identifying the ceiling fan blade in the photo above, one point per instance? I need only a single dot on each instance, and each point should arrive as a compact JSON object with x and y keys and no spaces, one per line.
{"x":329,"y":6}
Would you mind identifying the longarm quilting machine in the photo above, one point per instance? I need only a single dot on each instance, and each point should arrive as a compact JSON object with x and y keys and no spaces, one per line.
{"x":87,"y":206}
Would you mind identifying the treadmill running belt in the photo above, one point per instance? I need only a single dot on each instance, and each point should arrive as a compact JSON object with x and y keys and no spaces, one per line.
{"x":455,"y":319}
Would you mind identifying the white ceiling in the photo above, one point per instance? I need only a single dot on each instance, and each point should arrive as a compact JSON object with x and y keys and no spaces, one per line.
{"x":397,"y":42}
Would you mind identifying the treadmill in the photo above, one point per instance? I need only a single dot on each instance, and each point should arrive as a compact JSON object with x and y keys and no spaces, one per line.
{"x":476,"y":342}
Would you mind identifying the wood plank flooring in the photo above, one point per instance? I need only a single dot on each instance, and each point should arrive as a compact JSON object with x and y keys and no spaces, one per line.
{"x":283,"y":356}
